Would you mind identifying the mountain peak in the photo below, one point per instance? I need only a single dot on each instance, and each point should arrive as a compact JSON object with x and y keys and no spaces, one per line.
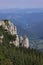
{"x":9,"y":31}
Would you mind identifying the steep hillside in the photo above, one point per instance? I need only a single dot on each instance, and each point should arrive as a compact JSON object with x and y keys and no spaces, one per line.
{"x":12,"y":52}
{"x":10,"y":55}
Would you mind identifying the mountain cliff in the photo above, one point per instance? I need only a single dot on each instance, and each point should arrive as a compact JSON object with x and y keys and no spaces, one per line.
{"x":14,"y":50}
{"x":8,"y":28}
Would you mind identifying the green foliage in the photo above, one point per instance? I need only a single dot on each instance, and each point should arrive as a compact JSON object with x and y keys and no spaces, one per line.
{"x":20,"y":56}
{"x":6,"y":22}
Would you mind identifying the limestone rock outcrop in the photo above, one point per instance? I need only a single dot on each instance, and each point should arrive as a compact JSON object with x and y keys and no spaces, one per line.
{"x":9,"y":26}
{"x":1,"y":38}
{"x":24,"y":41}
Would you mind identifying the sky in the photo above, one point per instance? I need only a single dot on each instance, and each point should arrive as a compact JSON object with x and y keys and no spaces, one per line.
{"x":6,"y":4}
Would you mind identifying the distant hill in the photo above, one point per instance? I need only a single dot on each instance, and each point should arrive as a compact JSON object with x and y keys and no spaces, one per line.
{"x":18,"y":10}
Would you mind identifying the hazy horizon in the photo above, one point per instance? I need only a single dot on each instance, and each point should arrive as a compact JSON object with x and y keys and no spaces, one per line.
{"x":22,"y":9}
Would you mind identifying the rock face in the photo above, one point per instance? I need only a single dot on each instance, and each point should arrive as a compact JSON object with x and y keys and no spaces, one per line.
{"x":12,"y":29}
{"x":2,"y":23}
{"x":1,"y":38}
{"x":21,"y":40}
{"x":9,"y":26}
{"x":24,"y":41}
{"x":16,"y":42}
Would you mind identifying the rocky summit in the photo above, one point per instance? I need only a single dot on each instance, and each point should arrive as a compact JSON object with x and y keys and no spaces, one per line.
{"x":8,"y":31}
